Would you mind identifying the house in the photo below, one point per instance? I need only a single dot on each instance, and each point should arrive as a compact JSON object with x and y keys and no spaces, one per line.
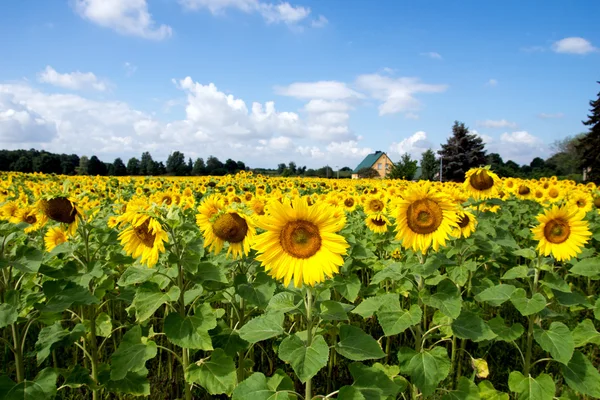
{"x":379,"y":161}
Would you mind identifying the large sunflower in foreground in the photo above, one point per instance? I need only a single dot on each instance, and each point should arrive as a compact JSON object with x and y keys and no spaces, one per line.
{"x":562,"y":232}
{"x":481,"y":183}
{"x":54,"y":237}
{"x":143,"y":237}
{"x":300,"y":242}
{"x":424,"y":219}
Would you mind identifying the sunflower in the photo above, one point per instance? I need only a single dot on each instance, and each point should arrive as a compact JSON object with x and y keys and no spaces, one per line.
{"x":31,"y":216}
{"x":143,"y":237}
{"x":377,"y":222}
{"x":424,"y":218}
{"x":396,"y":254}
{"x":54,"y":237}
{"x":466,"y":224}
{"x":581,"y":200}
{"x":374,"y":204}
{"x":61,"y":209}
{"x":562,"y":232}
{"x":349,"y":203}
{"x":9,"y":210}
{"x":481,"y":183}
{"x":300,"y":242}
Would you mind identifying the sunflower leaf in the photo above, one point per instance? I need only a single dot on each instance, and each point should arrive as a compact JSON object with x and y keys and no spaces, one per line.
{"x":306,"y":361}
{"x":357,"y":345}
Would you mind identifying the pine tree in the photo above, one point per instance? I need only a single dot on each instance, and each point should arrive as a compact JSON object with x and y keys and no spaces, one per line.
{"x":589,"y":145}
{"x":429,"y":165}
{"x":462,"y":152}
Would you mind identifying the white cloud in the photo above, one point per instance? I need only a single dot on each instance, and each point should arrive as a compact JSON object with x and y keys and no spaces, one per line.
{"x":550,"y":115}
{"x":127,"y":17}
{"x":129,"y":68}
{"x":502,"y":123}
{"x":349,"y":150}
{"x":432,"y":54}
{"x":74,"y":80}
{"x":492,"y":83}
{"x":520,"y":137}
{"x":18,"y":124}
{"x":487,"y":139}
{"x":414,"y":145}
{"x":518,"y":146}
{"x":328,"y":90}
{"x":282,"y":12}
{"x":573,"y":45}
{"x":396,"y":94}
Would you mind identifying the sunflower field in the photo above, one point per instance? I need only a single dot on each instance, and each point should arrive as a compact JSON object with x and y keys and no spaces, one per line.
{"x":261,"y":288}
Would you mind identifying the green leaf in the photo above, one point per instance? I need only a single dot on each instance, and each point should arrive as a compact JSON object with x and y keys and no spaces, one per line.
{"x":395,"y":320}
{"x":283,"y":302}
{"x":459,"y":274}
{"x":262,"y":327}
{"x":521,"y":271}
{"x":529,"y":388}
{"x":582,"y":376}
{"x":29,"y":259}
{"x":60,"y":295}
{"x":428,"y":368}
{"x":470,"y":326}
{"x":134,"y":383}
{"x":216,"y":375}
{"x":54,"y":335}
{"x":8,"y":314}
{"x":503,"y":332}
{"x":447,"y":299}
{"x":465,"y":390}
{"x":334,"y":311}
{"x":256,"y":387}
{"x":371,"y":305}
{"x":557,"y":340}
{"x":372,"y":382}
{"x":528,"y":306}
{"x":77,"y":377}
{"x":554,"y":281}
{"x":134,"y":275}
{"x":259,"y":292}
{"x":526,"y":253}
{"x":585,"y":332}
{"x":43,"y":387}
{"x":597,"y":309}
{"x":103,"y":325}
{"x":227,"y":339}
{"x":347,"y":286}
{"x":132,"y":354}
{"x":395,"y":272}
{"x":570,"y":299}
{"x":148,"y":298}
{"x":496,"y":295}
{"x":357,"y":345}
{"x":488,"y":392}
{"x":352,"y":393}
{"x":305,"y":360}
{"x":189,"y":332}
{"x":211,"y":272}
{"x":589,"y":267}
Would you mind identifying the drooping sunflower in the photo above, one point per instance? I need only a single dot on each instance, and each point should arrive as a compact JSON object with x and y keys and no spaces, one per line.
{"x":377,"y":222}
{"x":63,"y":210}
{"x":143,"y":237}
{"x":300,"y":242}
{"x":424,"y":218}
{"x":54,"y":237}
{"x":481,"y":183}
{"x":562,"y":232}
{"x":466,"y":224}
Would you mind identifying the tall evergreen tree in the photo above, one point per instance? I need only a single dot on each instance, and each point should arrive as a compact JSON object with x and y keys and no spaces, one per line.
{"x":589,"y":145}
{"x":429,"y":165}
{"x":462,"y":152}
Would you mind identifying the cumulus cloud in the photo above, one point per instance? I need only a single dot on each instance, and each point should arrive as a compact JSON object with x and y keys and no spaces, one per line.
{"x":573,"y":45}
{"x":18,"y":124}
{"x":519,"y":146}
{"x":127,"y":17}
{"x":502,"y":123}
{"x":74,"y":80}
{"x":328,"y":90}
{"x":396,"y":94}
{"x":431,"y":54}
{"x":551,"y":115}
{"x":414,"y":145}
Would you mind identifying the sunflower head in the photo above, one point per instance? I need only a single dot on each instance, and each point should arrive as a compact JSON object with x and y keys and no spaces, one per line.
{"x":481,"y":183}
{"x":59,"y":209}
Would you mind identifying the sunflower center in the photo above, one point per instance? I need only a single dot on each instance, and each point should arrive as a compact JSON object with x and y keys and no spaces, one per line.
{"x":463,"y":221}
{"x":349,"y":202}
{"x":376,"y":205}
{"x":143,"y":233}
{"x":597,"y":202}
{"x":557,"y":231}
{"x":580,"y":203}
{"x":230,"y":227}
{"x":31,"y":219}
{"x":424,"y":216}
{"x":300,"y":239}
{"x":377,"y":221}
{"x":523,"y":190}
{"x":553,"y":193}
{"x":60,"y":209}
{"x":481,"y":181}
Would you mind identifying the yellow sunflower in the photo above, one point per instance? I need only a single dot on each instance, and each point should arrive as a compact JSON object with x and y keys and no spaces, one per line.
{"x":424,"y":218}
{"x":466,"y":224}
{"x":377,"y":222}
{"x":481,"y":183}
{"x":63,"y":210}
{"x":374,"y":204}
{"x":300,"y":242}
{"x":581,"y":200}
{"x":143,"y":237}
{"x":54,"y":237}
{"x":31,"y":216}
{"x":562,"y":232}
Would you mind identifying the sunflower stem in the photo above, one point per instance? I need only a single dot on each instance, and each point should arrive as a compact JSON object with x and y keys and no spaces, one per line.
{"x":309,"y":301}
{"x":527,"y":366}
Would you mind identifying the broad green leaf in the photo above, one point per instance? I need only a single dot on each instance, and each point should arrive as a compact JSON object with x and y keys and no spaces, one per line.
{"x":43,"y":387}
{"x":521,"y":271}
{"x":470,"y":326}
{"x":54,"y":335}
{"x":227,"y":339}
{"x":132,"y":354}
{"x":283,"y":302}
{"x":334,"y":311}
{"x":530,"y":388}
{"x":192,"y":294}
{"x":582,"y":376}
{"x":372,"y":382}
{"x":585,"y":332}
{"x":29,"y":259}
{"x":103,"y":325}
{"x":589,"y":267}
{"x":352,"y":393}
{"x":395,"y":320}
{"x":529,"y":254}
{"x":597,"y":309}
{"x":357,"y":345}
{"x":305,"y":360}
{"x":496,"y":295}
{"x":135,"y":274}
{"x":459,"y":274}
{"x":211,"y":272}
{"x":8,"y":314}
{"x":189,"y":332}
{"x":557,"y":340}
{"x":60,"y":295}
{"x":348,"y":286}
{"x":148,"y":298}
{"x":503,"y":332}
{"x":77,"y":377}
{"x":447,"y":299}
{"x":429,"y":368}
{"x":262,"y":327}
{"x":257,"y":387}
{"x":259,"y":292}
{"x":371,"y":305}
{"x":573,"y":298}
{"x":488,"y":392}
{"x":444,"y":322}
{"x":465,"y":390}
{"x":217,"y":375}
{"x":134,"y":383}
{"x":525,"y":305}
{"x":394,"y":272}
{"x":554,"y":281}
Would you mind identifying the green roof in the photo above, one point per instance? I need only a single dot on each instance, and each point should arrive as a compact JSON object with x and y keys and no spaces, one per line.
{"x":368,"y":161}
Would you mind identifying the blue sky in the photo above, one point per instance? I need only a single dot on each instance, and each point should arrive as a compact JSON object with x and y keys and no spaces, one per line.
{"x":316,"y":82}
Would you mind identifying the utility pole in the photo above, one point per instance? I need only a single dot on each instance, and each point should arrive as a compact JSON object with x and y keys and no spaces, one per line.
{"x":337,"y":167}
{"x":441,"y":164}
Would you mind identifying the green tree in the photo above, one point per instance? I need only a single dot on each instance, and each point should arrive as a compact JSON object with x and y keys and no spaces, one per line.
{"x":96,"y":167}
{"x":462,"y":152}
{"x":366,"y":172}
{"x":199,"y":167}
{"x":69,"y":163}
{"x":293,"y":168}
{"x":589,"y":145}
{"x":23,"y":164}
{"x":214,"y":166}
{"x":403,"y":169}
{"x":118,"y":167}
{"x":176,"y":164}
{"x":281,"y":167}
{"x":83,"y":166}
{"x":147,"y":165}
{"x":230,"y":166}
{"x":133,"y":166}
{"x":429,"y":165}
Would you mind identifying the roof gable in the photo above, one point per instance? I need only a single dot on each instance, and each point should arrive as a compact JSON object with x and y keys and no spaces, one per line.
{"x":369,"y":161}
